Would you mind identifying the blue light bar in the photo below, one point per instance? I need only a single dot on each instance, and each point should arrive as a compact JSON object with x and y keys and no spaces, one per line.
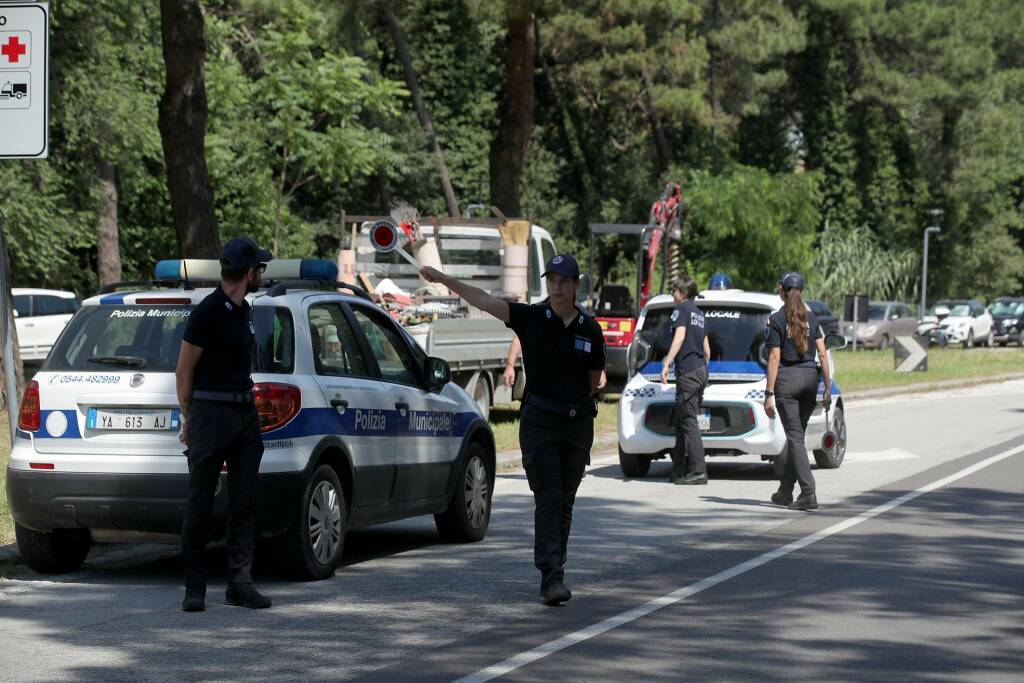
{"x":278,"y":269}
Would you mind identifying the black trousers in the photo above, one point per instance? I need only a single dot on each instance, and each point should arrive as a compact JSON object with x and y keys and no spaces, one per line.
{"x":556,"y":451}
{"x":221,"y":433}
{"x":688,"y":454}
{"x":796,"y":391}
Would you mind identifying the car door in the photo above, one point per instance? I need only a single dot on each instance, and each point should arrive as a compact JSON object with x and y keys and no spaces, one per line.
{"x":425,"y":420}
{"x":907,"y":322}
{"x":359,"y":406}
{"x":50,"y":315}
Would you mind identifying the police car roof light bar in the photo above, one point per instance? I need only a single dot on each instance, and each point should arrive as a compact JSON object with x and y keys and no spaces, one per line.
{"x":279,"y":269}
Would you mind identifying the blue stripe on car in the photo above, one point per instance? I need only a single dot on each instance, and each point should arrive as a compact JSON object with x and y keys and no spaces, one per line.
{"x":373,"y":422}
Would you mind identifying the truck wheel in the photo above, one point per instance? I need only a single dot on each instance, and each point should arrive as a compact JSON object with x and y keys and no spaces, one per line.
{"x":482,"y":396}
{"x":634,"y":465}
{"x":830,"y":460}
{"x":55,"y":552}
{"x":311,"y":549}
{"x":469,"y":511}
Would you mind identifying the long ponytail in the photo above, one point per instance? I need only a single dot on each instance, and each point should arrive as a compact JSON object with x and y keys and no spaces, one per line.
{"x":796,"y":319}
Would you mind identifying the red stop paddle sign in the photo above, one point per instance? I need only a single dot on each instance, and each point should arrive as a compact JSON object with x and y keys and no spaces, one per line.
{"x":384,"y":236}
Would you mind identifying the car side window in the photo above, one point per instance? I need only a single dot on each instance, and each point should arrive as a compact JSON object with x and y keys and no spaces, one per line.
{"x":396,"y":361}
{"x":336,"y":351}
{"x":50,"y":305}
{"x":23,"y":305}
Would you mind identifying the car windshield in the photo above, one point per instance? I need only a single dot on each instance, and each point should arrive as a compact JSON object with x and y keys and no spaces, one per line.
{"x":1008,"y":308}
{"x":734,"y":333}
{"x":820,"y":309}
{"x":876,"y":312}
{"x":956,"y":310}
{"x":149,"y":338}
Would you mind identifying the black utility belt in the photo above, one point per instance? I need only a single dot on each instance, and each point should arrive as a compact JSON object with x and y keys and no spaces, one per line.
{"x":223,"y":396}
{"x":799,"y":364}
{"x":588,"y":409}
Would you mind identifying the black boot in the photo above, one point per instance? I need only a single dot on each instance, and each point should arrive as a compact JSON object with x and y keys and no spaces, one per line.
{"x":806,"y":501}
{"x":195,"y":599}
{"x":245,"y":595}
{"x":556,"y":593}
{"x":693,"y":480}
{"x":781,"y":497}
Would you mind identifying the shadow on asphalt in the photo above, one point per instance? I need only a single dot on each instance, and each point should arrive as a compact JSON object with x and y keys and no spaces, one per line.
{"x":717,"y":469}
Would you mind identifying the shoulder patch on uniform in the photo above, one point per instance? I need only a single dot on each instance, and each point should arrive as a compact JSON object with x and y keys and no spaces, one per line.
{"x":227,"y":305}
{"x":548,"y":313}
{"x":675,"y":315}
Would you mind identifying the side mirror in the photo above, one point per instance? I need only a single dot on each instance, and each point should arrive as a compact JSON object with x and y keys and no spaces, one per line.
{"x":638,"y":355}
{"x":438,"y":373}
{"x":834,"y":342}
{"x":894,"y":316}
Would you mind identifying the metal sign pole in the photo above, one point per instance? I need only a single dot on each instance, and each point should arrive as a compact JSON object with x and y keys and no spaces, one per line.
{"x":856,"y":317}
{"x":10,"y":374}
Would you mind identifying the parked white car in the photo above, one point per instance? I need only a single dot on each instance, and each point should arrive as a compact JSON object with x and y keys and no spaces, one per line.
{"x":967,"y":323}
{"x":40,"y":315}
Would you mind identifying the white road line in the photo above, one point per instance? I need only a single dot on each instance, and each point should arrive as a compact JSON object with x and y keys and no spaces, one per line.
{"x":551,"y":647}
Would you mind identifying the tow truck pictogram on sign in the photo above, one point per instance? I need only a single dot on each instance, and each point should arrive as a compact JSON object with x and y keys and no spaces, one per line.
{"x":14,"y":90}
{"x":15,"y":49}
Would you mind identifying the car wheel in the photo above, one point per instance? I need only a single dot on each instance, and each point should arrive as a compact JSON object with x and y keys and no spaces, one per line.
{"x":990,"y":340}
{"x":311,"y":550}
{"x":469,"y":511}
{"x":634,"y":465}
{"x":969,"y":342}
{"x":482,"y":396}
{"x":53,"y":552}
{"x":884,"y":343}
{"x":1002,"y":344}
{"x":833,"y":458}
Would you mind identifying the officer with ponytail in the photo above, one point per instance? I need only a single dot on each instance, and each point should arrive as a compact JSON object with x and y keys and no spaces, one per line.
{"x":793,"y":338}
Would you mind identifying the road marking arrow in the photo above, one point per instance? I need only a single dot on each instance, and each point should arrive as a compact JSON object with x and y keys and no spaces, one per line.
{"x":916,"y":354}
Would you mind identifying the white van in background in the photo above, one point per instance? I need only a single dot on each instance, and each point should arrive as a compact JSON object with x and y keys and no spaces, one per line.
{"x":40,"y":315}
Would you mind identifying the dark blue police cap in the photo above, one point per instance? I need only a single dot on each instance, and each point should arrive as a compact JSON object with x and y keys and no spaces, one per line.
{"x":792,"y":280}
{"x":564,"y":265}
{"x":243,"y":252}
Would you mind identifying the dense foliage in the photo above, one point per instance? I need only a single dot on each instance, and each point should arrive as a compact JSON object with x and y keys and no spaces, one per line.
{"x":812,"y":134}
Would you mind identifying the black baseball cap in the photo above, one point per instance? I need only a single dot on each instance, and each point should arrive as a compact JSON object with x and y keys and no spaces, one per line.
{"x":564,"y":265}
{"x":243,"y":252}
{"x":792,"y":280}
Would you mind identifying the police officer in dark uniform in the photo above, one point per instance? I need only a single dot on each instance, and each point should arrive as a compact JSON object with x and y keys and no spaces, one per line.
{"x":214,"y":386}
{"x":690,"y":352}
{"x":563,"y":358}
{"x":792,"y":387}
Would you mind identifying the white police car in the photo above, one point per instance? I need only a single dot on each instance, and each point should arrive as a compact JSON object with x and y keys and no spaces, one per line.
{"x":360,"y":426}
{"x":732,"y":418}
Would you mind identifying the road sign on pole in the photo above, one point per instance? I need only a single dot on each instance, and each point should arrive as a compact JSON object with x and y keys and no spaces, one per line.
{"x":24,"y":79}
{"x":910,"y":354}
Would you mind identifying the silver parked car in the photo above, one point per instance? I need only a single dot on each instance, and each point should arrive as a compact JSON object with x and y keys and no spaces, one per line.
{"x":886,"y":321}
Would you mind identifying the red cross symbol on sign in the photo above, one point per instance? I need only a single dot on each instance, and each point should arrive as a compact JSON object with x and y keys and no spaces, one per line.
{"x":13,"y":49}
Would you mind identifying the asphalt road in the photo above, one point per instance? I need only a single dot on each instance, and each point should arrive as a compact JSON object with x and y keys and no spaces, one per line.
{"x":912,"y":569}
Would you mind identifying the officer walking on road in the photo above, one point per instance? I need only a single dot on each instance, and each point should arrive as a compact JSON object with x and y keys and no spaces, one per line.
{"x":690,"y":352}
{"x":214,"y":386}
{"x":792,"y":386}
{"x":563,"y":357}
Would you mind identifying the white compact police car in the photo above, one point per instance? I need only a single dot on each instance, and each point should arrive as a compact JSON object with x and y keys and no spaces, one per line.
{"x":732,"y":419}
{"x":359,"y":425}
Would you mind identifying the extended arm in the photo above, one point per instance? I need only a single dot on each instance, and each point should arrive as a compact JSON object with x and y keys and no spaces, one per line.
{"x":474,"y":296}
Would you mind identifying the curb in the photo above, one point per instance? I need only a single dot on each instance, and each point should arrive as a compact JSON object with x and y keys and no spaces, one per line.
{"x":927,"y":387}
{"x":515,"y":457}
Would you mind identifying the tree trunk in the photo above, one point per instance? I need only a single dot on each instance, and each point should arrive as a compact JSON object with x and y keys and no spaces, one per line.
{"x":508,"y":150}
{"x":411,"y":80}
{"x":13,"y":403}
{"x":108,"y":247}
{"x":182,"y":124}
{"x":660,"y":142}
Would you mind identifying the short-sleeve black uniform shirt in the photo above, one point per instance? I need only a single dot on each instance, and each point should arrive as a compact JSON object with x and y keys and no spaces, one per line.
{"x":557,"y":358}
{"x":691,"y":354}
{"x":223,"y":330}
{"x":778,"y":337}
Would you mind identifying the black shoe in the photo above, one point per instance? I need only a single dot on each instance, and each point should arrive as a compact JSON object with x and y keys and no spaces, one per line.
{"x":245,"y":595}
{"x":195,"y":599}
{"x":781,"y":497}
{"x":805,"y":502}
{"x":556,"y":593}
{"x":693,"y":480}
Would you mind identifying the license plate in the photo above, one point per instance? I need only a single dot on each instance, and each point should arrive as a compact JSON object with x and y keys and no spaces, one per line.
{"x":132,"y":419}
{"x":704,"y":421}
